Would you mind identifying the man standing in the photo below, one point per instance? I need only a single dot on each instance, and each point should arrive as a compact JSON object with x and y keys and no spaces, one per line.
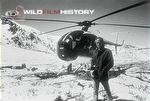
{"x":101,"y":63}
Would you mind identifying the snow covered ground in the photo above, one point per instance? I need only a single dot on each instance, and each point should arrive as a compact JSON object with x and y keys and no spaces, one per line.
{"x":23,"y":84}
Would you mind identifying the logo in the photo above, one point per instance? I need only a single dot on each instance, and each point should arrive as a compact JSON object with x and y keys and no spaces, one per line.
{"x":20,"y":12}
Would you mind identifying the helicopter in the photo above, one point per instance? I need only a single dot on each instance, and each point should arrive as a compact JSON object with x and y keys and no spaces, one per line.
{"x":80,"y":42}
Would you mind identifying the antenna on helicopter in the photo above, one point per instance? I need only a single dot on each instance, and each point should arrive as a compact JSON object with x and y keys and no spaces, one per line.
{"x":116,"y":43}
{"x":117,"y":36}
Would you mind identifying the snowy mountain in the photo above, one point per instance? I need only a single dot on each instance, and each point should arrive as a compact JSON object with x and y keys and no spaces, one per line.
{"x":26,"y":37}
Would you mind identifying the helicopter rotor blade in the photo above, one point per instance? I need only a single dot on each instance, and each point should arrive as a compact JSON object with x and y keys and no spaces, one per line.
{"x":122,"y":25}
{"x":48,"y":20}
{"x":123,"y":9}
{"x":59,"y":29}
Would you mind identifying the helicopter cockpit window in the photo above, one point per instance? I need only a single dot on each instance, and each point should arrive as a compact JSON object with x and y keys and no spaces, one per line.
{"x":72,"y":44}
{"x":70,"y":37}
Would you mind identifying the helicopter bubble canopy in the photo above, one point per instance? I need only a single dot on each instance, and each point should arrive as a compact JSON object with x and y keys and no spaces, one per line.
{"x":74,"y":44}
{"x":66,"y":48}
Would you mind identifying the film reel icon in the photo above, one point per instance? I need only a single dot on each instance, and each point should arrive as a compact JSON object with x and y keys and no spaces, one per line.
{"x":18,"y":13}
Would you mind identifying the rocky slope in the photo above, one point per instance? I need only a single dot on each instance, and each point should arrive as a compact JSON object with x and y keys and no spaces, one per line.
{"x":26,"y":37}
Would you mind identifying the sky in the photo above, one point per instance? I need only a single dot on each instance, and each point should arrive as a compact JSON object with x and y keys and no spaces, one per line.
{"x":135,"y":16}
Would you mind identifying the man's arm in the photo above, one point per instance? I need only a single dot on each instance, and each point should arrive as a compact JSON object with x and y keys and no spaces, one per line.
{"x":108,"y":58}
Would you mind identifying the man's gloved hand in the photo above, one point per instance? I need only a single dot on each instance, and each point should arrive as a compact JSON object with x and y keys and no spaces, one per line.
{"x":94,"y":74}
